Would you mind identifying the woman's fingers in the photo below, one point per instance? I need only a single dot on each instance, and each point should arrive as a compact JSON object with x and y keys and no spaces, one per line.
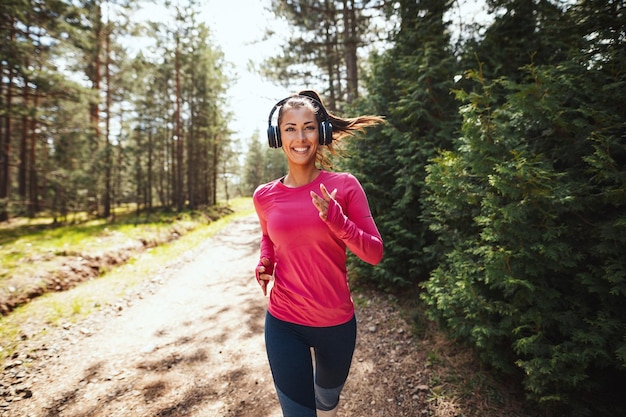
{"x":262,"y":277}
{"x":324,"y":191}
{"x":321,"y":203}
{"x":327,"y":196}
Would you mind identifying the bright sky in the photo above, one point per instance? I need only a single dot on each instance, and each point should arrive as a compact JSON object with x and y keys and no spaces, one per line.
{"x":238,"y":30}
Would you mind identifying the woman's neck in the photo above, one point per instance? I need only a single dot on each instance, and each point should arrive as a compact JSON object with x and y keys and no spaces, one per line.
{"x":297,"y":176}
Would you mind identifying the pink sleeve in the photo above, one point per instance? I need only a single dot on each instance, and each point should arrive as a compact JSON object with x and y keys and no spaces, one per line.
{"x":266,"y":246}
{"x":357,"y":229}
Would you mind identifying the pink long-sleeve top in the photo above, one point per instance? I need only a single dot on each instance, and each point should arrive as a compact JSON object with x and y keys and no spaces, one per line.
{"x":308,"y":253}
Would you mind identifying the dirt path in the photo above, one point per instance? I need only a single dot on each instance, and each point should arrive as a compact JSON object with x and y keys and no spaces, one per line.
{"x":192,"y":345}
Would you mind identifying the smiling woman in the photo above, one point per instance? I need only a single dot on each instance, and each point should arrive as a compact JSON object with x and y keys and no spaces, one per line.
{"x":303,"y":249}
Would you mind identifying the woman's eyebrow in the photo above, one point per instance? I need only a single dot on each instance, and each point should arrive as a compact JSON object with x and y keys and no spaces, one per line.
{"x":293,"y":123}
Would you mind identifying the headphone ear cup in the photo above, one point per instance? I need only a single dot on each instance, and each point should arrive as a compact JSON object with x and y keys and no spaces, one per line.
{"x":273,"y":137}
{"x":326,"y":133}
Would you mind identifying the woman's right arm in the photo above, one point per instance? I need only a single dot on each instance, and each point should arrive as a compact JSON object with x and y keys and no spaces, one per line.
{"x":265,"y":268}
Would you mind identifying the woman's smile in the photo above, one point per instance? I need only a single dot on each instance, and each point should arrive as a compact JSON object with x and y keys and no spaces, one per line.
{"x":301,"y":149}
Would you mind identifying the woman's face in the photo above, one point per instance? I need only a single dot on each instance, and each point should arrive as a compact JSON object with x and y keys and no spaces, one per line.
{"x":299,"y":134}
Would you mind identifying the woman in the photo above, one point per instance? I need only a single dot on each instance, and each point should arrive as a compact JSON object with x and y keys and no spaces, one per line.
{"x":305,"y":231}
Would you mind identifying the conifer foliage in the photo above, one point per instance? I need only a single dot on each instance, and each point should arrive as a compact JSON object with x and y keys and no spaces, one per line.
{"x":91,"y":116}
{"x":511,"y":221}
{"x":530,"y":209}
{"x":410,"y":85}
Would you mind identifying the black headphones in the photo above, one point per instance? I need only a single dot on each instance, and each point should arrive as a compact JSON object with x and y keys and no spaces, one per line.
{"x":325,"y":127}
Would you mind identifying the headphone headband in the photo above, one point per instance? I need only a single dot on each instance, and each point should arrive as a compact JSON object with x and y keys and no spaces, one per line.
{"x":320,"y":107}
{"x":325,"y":127}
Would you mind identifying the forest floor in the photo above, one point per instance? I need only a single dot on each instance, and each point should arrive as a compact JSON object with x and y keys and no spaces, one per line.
{"x":189,"y":342}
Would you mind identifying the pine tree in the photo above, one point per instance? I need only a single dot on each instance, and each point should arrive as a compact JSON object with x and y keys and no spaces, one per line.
{"x":254,"y":166}
{"x":322,"y":52}
{"x":410,"y":85}
{"x":275,"y":164}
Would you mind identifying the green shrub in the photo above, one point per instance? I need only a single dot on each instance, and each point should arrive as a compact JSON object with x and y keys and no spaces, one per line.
{"x":531,"y":217}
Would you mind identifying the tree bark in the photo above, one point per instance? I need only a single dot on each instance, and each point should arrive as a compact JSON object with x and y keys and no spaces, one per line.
{"x":33,"y":183}
{"x":107,"y":138}
{"x":5,"y":148}
{"x":22,"y":167}
{"x":94,"y":106}
{"x":350,"y":50}
{"x":179,"y":193}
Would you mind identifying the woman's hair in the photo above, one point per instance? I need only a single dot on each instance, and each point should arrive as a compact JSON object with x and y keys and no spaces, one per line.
{"x":342,"y":126}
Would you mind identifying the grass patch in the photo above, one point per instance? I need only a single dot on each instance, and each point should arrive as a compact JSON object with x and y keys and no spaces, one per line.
{"x":39,"y":256}
{"x":60,"y":308}
{"x":23,"y":243}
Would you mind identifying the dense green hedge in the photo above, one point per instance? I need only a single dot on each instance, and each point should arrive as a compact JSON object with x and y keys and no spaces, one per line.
{"x":512,"y":223}
{"x":531,"y":213}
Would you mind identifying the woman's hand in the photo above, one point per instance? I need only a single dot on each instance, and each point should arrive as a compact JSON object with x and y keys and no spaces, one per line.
{"x":321,"y":203}
{"x":262,"y":275}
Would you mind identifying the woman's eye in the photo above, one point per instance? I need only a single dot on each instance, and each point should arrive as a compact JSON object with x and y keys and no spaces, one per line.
{"x":310,"y":127}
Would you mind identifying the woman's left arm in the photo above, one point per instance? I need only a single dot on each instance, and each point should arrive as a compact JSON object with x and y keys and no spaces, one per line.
{"x":356,"y":228}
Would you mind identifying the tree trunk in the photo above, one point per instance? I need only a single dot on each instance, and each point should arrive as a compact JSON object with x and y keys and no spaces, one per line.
{"x":94,"y":107}
{"x":33,"y":186}
{"x":138,"y":192}
{"x":192,"y":158}
{"x":350,"y":49}
{"x":5,"y":148}
{"x":22,"y":167}
{"x":106,"y":198}
{"x":329,"y":46}
{"x":179,"y":193}
{"x":215,"y":170}
{"x":149,"y":169}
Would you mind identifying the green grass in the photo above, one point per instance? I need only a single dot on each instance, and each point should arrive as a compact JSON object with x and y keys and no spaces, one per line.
{"x":31,"y":251}
{"x":58,"y":309}
{"x":23,"y":243}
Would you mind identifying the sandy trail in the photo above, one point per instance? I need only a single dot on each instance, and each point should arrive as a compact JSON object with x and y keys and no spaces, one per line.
{"x":192,"y":345}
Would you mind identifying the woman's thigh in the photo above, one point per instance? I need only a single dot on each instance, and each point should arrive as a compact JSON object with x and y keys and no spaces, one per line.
{"x":334,"y":347}
{"x":289,"y":352}
{"x":290,"y":360}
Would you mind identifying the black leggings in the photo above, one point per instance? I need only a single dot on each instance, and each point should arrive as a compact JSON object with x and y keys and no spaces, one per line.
{"x":302,"y":388}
